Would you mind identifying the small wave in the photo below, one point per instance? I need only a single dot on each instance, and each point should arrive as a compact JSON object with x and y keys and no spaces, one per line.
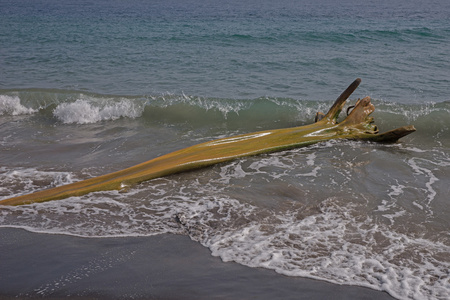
{"x":73,"y":107}
{"x":413,"y":112}
{"x":84,"y":111}
{"x":10,"y":105}
{"x":245,"y":114}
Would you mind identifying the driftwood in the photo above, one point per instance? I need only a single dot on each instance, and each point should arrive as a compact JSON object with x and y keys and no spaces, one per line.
{"x":356,"y":126}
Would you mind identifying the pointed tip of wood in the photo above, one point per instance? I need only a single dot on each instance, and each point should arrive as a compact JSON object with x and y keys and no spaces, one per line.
{"x":394,"y":135}
{"x":334,"y":111}
{"x":356,"y":83}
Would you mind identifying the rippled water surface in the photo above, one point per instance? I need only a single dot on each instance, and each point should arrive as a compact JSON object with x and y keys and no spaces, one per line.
{"x":89,"y":88}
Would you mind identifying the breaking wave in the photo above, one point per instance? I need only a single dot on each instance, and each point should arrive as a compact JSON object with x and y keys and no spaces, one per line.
{"x":70,"y":107}
{"x":10,"y":105}
{"x":84,"y":111}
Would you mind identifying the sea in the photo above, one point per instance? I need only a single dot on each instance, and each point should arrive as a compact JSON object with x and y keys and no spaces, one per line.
{"x":93,"y":86}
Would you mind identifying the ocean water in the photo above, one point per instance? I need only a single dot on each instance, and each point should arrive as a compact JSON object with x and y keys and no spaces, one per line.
{"x":91,"y":87}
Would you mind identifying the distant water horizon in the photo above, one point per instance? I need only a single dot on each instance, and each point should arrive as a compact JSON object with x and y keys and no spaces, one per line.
{"x":301,"y":49}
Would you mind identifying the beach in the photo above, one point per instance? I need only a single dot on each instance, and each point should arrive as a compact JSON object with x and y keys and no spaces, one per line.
{"x":89,"y":88}
{"x":160,"y":267}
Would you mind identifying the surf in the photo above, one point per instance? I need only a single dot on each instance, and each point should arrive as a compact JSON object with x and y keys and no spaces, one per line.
{"x":357,"y":125}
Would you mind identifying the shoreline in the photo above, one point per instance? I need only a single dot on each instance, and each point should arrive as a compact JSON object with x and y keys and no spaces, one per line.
{"x":39,"y":265}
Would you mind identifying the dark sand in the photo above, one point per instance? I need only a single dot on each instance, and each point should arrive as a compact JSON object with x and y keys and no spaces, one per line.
{"x":159,"y":267}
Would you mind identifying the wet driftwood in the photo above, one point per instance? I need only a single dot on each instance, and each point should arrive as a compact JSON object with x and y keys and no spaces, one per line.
{"x":356,"y":126}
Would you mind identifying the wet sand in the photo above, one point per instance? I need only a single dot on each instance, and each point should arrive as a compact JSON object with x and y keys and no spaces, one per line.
{"x":159,"y":267}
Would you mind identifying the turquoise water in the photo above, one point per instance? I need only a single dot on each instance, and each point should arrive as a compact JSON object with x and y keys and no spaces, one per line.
{"x":92,"y":87}
{"x":237,"y":49}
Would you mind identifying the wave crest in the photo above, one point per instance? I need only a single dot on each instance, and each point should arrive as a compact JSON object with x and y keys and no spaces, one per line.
{"x":84,"y":112}
{"x":72,"y":107}
{"x":10,"y":105}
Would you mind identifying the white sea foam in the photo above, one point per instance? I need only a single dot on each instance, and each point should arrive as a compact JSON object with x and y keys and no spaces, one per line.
{"x":225,"y":107}
{"x":413,"y":113}
{"x":333,"y":238}
{"x":334,"y":244}
{"x":28,"y":180}
{"x":10,"y":105}
{"x":396,"y":190}
{"x":331,"y":245}
{"x":415,"y":164}
{"x":84,"y":111}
